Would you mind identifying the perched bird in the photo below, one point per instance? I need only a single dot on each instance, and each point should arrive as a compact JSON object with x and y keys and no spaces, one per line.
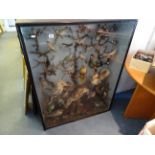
{"x":76,"y":96}
{"x":51,"y":46}
{"x":68,"y":58}
{"x":103,"y":32}
{"x":104,"y":74}
{"x":80,"y":41}
{"x":95,"y":79}
{"x":81,"y":56}
{"x":50,"y":70}
{"x":93,"y":61}
{"x":45,"y":62}
{"x":82,"y":28}
{"x":99,"y":77}
{"x":56,"y":113}
{"x":46,"y":86}
{"x":61,"y":86}
{"x":82,"y":74}
{"x":60,"y":33}
{"x":108,"y":56}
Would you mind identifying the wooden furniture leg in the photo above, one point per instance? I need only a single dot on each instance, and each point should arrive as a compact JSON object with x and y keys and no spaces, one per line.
{"x":141,"y":105}
{"x":27,"y":91}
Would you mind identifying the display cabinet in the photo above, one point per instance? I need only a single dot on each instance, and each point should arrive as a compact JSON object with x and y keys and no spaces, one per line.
{"x":74,"y":65}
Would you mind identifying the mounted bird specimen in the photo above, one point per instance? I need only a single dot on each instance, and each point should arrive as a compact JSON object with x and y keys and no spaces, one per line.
{"x":82,"y":28}
{"x":80,"y":41}
{"x":94,"y":61}
{"x":97,"y":78}
{"x":51,"y":46}
{"x":82,"y":75}
{"x":46,"y":86}
{"x":60,"y":33}
{"x":107,"y":57}
{"x":75,"y":96}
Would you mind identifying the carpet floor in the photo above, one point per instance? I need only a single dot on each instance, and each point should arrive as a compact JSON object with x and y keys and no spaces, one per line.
{"x":13,"y":121}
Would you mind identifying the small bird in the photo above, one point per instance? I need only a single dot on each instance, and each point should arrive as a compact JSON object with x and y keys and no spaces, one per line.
{"x":50,"y":70}
{"x":103,"y":32}
{"x":82,"y":74}
{"x":80,"y":41}
{"x":45,"y":85}
{"x":60,"y":33}
{"x":56,"y":113}
{"x":82,"y":28}
{"x":68,"y":58}
{"x":76,"y":96}
{"x":51,"y":46}
{"x":93,"y":61}
{"x":81,"y":56}
{"x":108,"y":56}
{"x":60,"y":86}
{"x":99,"y":77}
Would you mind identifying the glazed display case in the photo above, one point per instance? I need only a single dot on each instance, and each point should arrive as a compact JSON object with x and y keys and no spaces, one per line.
{"x":74,"y":65}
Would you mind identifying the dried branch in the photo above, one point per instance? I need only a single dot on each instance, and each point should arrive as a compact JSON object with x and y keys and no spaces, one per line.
{"x":40,"y":54}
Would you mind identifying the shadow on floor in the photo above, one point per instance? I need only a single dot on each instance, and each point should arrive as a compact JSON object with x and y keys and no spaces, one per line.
{"x":127,"y":126}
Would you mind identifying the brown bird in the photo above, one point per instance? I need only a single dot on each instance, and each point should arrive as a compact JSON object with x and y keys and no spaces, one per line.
{"x":82,"y":28}
{"x":81,"y":56}
{"x":110,"y":55}
{"x":82,"y":74}
{"x":76,"y":96}
{"x":99,"y":77}
{"x":103,"y":32}
{"x":80,"y":41}
{"x":60,"y":33}
{"x":51,"y":46}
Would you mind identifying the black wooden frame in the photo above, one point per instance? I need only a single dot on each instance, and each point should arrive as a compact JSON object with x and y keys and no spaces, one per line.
{"x":73,"y":22}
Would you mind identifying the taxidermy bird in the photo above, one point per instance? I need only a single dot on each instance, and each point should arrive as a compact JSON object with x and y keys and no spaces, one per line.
{"x":108,"y":56}
{"x":50,"y":70}
{"x":60,"y":87}
{"x":81,"y":56}
{"x":80,"y":41}
{"x":60,"y":33}
{"x":99,"y":77}
{"x":94,"y":62}
{"x":76,"y":96}
{"x":50,"y":46}
{"x":82,"y":74}
{"x":56,"y":113}
{"x":68,"y":58}
{"x":46,"y":86}
{"x":102,"y":32}
{"x":82,"y":28}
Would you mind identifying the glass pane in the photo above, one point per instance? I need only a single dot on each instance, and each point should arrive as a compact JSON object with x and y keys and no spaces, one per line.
{"x":75,"y":67}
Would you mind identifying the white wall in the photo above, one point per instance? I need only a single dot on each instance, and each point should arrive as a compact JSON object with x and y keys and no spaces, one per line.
{"x":9,"y":25}
{"x":142,"y":39}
